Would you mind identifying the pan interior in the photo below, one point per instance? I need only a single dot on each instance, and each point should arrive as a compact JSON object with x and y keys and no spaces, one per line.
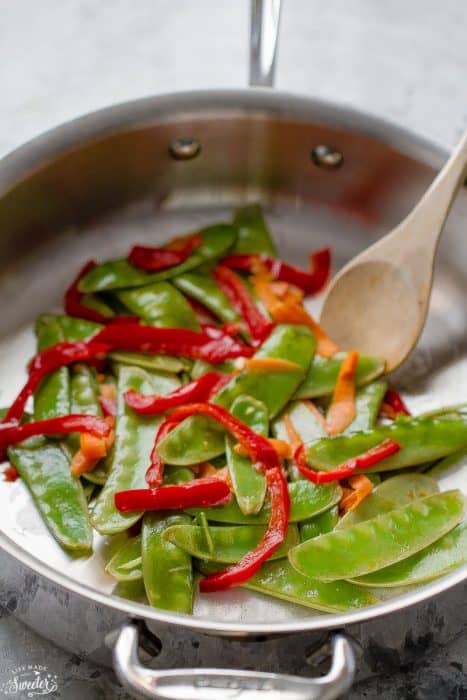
{"x":435,"y":375}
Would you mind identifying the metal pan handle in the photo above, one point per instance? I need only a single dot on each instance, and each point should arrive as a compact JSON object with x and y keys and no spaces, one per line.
{"x":264,"y":32}
{"x":213,"y":683}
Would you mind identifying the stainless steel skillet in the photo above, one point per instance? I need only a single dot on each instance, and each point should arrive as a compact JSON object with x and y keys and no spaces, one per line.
{"x":154,"y":167}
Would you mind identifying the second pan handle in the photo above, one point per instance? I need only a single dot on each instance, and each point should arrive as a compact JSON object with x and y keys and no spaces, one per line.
{"x":264,"y":32}
{"x":215,"y":683}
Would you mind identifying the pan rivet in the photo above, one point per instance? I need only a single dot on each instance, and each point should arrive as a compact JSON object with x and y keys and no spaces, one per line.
{"x":327,"y":157}
{"x":184,"y":148}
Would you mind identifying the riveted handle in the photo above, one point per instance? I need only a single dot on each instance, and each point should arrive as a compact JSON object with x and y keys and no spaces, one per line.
{"x":213,"y":683}
{"x":264,"y":32}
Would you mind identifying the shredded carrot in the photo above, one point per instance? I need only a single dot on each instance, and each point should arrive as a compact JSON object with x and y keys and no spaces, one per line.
{"x":361,"y":488}
{"x":91,"y":451}
{"x":342,"y":410}
{"x":224,"y":474}
{"x":283,"y":449}
{"x":205,"y":469}
{"x":270,"y":364}
{"x":316,"y":412}
{"x":294,"y":438}
{"x":81,"y":463}
{"x":295,"y":313}
{"x":100,"y":377}
{"x":92,"y":447}
{"x":180,"y":242}
{"x":108,"y":391}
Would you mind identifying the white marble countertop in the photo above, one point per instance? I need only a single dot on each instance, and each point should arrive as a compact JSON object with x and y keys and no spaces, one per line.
{"x":405,"y":61}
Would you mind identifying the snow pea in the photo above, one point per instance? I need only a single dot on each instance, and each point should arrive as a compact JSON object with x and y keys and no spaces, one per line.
{"x":200,"y":367}
{"x":131,"y":590}
{"x":84,"y":390}
{"x":421,"y":439}
{"x":322,"y":375}
{"x":368,"y":400}
{"x":225,"y":543}
{"x":53,"y":395}
{"x":319,"y":525}
{"x":306,"y":500}
{"x":279,"y":579}
{"x":97,"y":303}
{"x":204,"y":289}
{"x":381,"y":541}
{"x":45,"y":469}
{"x":447,"y":471}
{"x":177,"y":475}
{"x":119,"y":274}
{"x":167,"y":569}
{"x":438,"y":559}
{"x":159,"y":304}
{"x":199,"y":438}
{"x":253,"y":233}
{"x":76,"y":329}
{"x":249,"y":485}
{"x":394,"y":492}
{"x":134,"y":439}
{"x":306,"y":424}
{"x":126,"y":563}
{"x":163,"y":363}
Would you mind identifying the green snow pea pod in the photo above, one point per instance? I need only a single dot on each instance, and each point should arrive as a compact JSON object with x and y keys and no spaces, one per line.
{"x":249,"y":485}
{"x":319,"y":525}
{"x":199,"y":438}
{"x":97,"y":303}
{"x":421,"y":440}
{"x":368,"y":400}
{"x":253,"y":233}
{"x":131,"y":590}
{"x":448,"y":470}
{"x":167,"y":569}
{"x":84,"y":390}
{"x":381,"y":541}
{"x":52,"y":398}
{"x":177,"y":475}
{"x":394,"y":492}
{"x":126,"y":563}
{"x":159,"y":304}
{"x":438,"y":559}
{"x":225,"y":543}
{"x":119,"y":274}
{"x":306,"y":500}
{"x":162,"y":363}
{"x":200,"y":367}
{"x":304,"y":421}
{"x":45,"y":469}
{"x":279,"y":579}
{"x":88,"y":490}
{"x":322,"y":375}
{"x":76,"y":329}
{"x":204,"y":289}
{"x":129,"y":459}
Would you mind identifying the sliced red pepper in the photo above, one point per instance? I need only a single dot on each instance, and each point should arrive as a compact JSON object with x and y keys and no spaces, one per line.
{"x":199,"y":390}
{"x":393,"y":399}
{"x":203,"y":314}
{"x":108,"y":406}
{"x":10,"y":473}
{"x":48,"y":361}
{"x":264,"y":455}
{"x":172,"y":341}
{"x":364,"y":461}
{"x":311,"y":282}
{"x":193,"y":494}
{"x":74,"y":298}
{"x":152,"y":259}
{"x":155,"y":471}
{"x":243,"y":303}
{"x":12,"y":433}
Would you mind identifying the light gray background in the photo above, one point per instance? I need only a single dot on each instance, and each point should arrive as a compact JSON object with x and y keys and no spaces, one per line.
{"x":405,"y":61}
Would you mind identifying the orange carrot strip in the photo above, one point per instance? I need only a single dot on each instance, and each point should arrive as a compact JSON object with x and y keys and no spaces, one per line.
{"x":108,"y":391}
{"x":92,"y":447}
{"x":294,"y":438}
{"x":343,"y":410}
{"x":81,"y":463}
{"x":295,"y":313}
{"x":361,"y":488}
{"x":270,"y":364}
{"x":224,"y":474}
{"x":283,"y":449}
{"x":316,"y":412}
{"x":206,"y":469}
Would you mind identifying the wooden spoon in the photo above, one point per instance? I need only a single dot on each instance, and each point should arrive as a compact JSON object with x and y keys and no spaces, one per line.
{"x":378,"y":302}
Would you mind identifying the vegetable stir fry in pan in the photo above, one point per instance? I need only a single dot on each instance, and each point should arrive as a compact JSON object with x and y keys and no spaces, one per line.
{"x":188,"y":407}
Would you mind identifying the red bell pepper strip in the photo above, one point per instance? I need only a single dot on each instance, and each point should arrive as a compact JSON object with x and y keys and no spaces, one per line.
{"x":48,"y":361}
{"x":172,"y":341}
{"x":203,"y":314}
{"x":364,"y":461}
{"x":10,"y":473}
{"x":155,"y":471}
{"x":152,"y":259}
{"x":393,"y":399}
{"x":243,"y":303}
{"x":209,"y":491}
{"x":311,"y":282}
{"x":199,"y":390}
{"x":264,"y":455}
{"x":12,"y":433}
